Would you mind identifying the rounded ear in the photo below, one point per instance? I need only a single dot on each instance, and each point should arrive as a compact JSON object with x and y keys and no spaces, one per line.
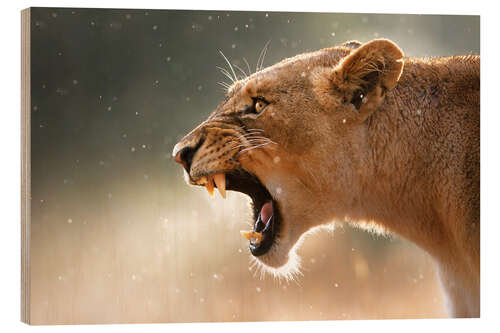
{"x":375,"y":63}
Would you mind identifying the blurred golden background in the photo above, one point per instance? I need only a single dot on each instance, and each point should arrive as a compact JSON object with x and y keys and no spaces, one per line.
{"x":118,"y":237}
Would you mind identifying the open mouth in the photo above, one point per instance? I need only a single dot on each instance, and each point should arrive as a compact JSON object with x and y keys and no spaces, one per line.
{"x":265,"y":210}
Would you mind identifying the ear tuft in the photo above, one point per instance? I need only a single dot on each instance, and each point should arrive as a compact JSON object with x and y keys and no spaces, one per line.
{"x":378,"y":62}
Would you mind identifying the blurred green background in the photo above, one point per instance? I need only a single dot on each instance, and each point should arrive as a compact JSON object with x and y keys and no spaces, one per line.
{"x":117,"y":236}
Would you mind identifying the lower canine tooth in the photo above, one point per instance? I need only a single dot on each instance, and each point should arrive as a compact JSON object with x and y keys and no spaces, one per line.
{"x":253,"y":236}
{"x":210,"y":186}
{"x":220,"y":181}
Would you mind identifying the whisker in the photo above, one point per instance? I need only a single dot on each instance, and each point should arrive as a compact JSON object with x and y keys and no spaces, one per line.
{"x":253,"y":144}
{"x":264,"y":55}
{"x":253,"y":147}
{"x":255,"y":129}
{"x":248,"y":66}
{"x":230,"y":66}
{"x":224,"y":84}
{"x":258,"y":61}
{"x":226,"y":73}
{"x":241,"y":70}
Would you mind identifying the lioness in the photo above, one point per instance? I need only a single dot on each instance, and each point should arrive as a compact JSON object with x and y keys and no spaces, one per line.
{"x":355,"y":133}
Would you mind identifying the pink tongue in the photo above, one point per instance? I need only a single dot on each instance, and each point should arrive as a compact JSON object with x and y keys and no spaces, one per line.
{"x":266,"y":211}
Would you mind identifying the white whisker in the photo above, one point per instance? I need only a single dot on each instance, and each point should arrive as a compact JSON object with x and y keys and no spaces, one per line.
{"x":241,"y":70}
{"x":230,"y":66}
{"x":224,"y":85}
{"x":248,"y":66}
{"x":253,"y":147}
{"x":264,"y":55}
{"x":226,"y":73}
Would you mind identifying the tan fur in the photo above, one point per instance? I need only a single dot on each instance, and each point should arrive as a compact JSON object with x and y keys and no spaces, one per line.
{"x":406,"y":160}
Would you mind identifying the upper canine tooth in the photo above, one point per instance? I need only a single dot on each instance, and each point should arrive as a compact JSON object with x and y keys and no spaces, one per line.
{"x":220,"y":181}
{"x":210,"y":185}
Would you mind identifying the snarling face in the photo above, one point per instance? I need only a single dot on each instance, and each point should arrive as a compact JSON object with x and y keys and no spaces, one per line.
{"x":290,"y":137}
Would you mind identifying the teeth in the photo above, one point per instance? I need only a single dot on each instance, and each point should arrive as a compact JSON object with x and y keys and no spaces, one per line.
{"x":254,"y":237}
{"x":210,"y":185}
{"x":220,"y":181}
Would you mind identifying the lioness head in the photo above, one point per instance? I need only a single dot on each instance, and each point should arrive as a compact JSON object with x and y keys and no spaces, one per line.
{"x":292,"y":137}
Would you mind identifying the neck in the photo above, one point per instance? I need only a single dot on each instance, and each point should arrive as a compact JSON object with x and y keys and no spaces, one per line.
{"x":414,"y":146}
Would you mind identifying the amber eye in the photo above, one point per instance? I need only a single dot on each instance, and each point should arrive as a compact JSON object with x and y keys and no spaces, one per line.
{"x":259,"y":104}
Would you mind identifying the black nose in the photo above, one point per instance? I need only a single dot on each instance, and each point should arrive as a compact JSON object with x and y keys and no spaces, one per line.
{"x":184,"y":154}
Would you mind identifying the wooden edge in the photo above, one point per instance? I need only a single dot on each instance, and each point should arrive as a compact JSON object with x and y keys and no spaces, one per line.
{"x":25,"y":164}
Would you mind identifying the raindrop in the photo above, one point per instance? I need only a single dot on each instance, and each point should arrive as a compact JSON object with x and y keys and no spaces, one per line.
{"x":132,"y":149}
{"x":210,"y":18}
{"x":235,"y":28}
{"x":134,"y":277}
{"x":75,"y":82}
{"x":155,"y":27}
{"x":233,"y":46}
{"x":333,"y":34}
{"x":109,"y":108}
{"x":128,"y":16}
{"x":92,"y":23}
{"x":54,"y":15}
{"x":70,"y":221}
